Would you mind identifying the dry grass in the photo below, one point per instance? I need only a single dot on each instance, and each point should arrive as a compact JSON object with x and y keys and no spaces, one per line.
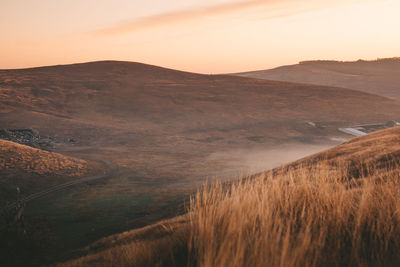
{"x":162,"y":244}
{"x":317,"y":216}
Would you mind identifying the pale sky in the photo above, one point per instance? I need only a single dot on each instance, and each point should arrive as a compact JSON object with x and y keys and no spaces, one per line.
{"x":206,"y":36}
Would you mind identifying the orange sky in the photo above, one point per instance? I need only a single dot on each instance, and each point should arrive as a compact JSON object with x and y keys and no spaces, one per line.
{"x":208,"y":36}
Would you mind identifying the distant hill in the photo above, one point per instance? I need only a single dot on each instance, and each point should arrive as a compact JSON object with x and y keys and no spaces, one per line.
{"x":380,"y":77}
{"x":136,"y":107}
{"x":165,"y":123}
{"x":133,"y":96}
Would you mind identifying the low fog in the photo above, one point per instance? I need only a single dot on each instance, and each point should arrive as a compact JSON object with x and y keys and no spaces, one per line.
{"x":248,"y":161}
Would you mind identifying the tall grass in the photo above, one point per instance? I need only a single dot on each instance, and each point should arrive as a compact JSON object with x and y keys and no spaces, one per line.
{"x":308,"y":216}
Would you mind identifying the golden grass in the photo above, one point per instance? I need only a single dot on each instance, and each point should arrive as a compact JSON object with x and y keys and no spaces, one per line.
{"x":316,"y":216}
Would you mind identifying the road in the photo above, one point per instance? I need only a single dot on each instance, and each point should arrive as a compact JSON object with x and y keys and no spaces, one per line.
{"x":112,"y":168}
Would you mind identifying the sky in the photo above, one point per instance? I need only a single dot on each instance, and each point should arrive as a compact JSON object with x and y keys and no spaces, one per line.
{"x":205,"y":36}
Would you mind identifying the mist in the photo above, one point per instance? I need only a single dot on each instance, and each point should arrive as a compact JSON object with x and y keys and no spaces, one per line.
{"x":243,"y":162}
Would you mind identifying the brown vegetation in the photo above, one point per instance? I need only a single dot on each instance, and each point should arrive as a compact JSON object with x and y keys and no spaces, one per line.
{"x":315,"y":212}
{"x":306,"y":217}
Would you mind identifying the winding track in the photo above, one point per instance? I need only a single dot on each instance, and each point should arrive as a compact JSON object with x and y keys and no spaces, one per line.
{"x":112,"y":168}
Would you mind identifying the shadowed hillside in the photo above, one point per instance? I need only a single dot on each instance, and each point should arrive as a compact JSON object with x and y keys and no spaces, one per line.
{"x":380,"y":77}
{"x":336,"y":208}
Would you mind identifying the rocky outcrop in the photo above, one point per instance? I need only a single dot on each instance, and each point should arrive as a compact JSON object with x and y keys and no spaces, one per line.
{"x":28,"y":137}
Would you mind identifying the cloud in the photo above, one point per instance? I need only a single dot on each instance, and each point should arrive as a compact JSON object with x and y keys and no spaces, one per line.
{"x":180,"y":16}
{"x":291,"y":7}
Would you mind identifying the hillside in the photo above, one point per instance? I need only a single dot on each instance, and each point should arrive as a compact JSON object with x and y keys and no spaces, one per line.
{"x":377,"y":149}
{"x":380,"y":77}
{"x":337,"y":207}
{"x":167,"y":131}
{"x":151,"y":111}
{"x":33,"y":169}
{"x":170,"y":125}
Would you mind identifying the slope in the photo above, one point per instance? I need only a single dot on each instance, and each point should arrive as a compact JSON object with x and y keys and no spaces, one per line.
{"x":336,"y":207}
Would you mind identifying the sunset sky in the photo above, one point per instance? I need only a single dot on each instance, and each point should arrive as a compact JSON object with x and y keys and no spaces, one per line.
{"x":207,"y":36}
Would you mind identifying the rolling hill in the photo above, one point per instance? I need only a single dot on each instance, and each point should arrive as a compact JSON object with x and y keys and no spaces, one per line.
{"x":337,"y":207}
{"x":163,"y":114}
{"x":378,"y":77}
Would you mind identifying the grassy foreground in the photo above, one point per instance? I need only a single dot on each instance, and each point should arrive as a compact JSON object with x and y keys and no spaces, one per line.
{"x":304,"y":217}
{"x":325,"y":212}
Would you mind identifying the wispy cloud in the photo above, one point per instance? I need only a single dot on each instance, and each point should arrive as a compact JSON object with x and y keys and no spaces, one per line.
{"x":182,"y":15}
{"x":292,"y":7}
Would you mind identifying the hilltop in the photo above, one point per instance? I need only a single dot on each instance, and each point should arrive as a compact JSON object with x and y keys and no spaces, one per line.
{"x":378,"y":77}
{"x":336,"y":207}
